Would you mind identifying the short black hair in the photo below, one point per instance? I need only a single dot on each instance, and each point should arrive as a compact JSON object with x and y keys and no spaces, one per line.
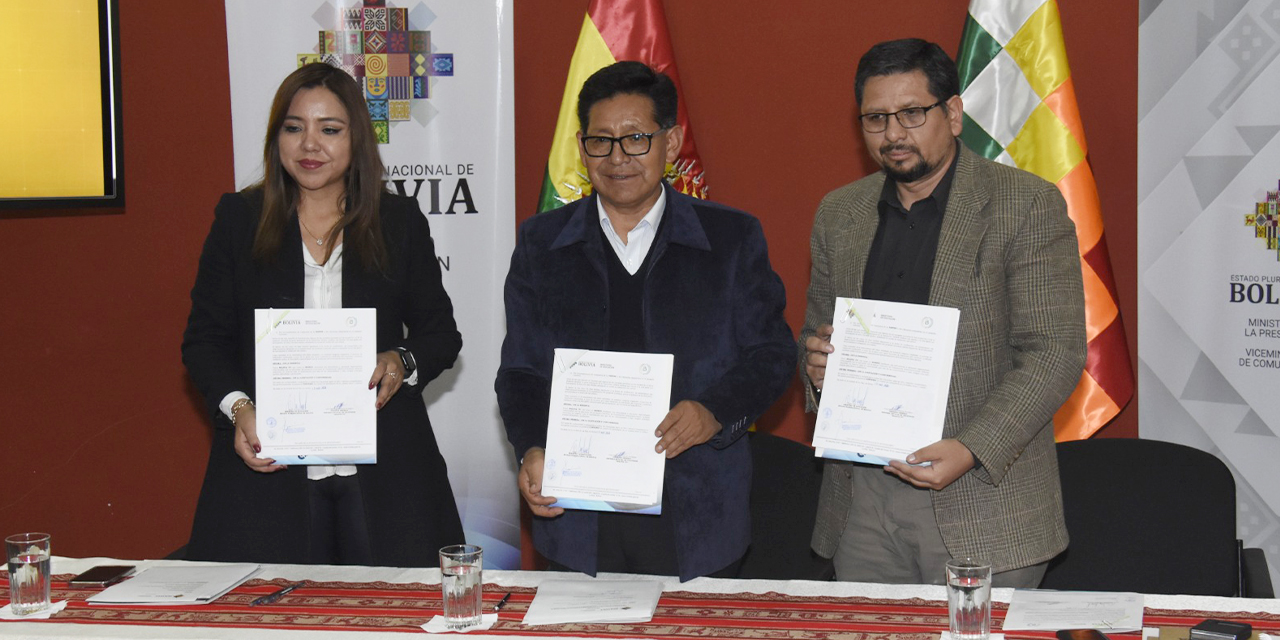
{"x":630,"y":77}
{"x":905,"y":56}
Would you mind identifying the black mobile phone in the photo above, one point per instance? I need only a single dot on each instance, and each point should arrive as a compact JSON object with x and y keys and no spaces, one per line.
{"x":1081,"y":634}
{"x":1221,"y":630}
{"x":102,"y":575}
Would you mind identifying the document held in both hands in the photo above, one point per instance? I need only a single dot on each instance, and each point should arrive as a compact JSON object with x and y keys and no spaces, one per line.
{"x":314,"y":402}
{"x":605,"y":406}
{"x":884,"y":394}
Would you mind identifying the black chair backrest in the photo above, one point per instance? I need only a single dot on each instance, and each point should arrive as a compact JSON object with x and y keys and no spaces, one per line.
{"x":1146,"y":516}
{"x":786,"y":478}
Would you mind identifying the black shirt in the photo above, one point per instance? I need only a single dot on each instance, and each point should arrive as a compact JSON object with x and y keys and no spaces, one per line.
{"x":900,"y":265}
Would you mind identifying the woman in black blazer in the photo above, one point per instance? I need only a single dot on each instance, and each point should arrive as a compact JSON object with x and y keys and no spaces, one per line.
{"x":319,"y":231}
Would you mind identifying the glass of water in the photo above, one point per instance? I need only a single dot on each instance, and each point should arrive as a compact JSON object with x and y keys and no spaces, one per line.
{"x":28,"y":555}
{"x":461,"y":584}
{"x":969,"y":598}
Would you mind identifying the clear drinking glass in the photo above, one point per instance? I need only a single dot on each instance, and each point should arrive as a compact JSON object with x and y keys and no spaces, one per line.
{"x":461,"y":584}
{"x":969,"y":598}
{"x":28,"y":555}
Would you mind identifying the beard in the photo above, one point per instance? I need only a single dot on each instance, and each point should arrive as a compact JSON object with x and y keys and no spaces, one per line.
{"x":910,"y":173}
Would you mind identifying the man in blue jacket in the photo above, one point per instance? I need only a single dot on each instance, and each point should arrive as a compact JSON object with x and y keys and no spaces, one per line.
{"x":638,"y":267}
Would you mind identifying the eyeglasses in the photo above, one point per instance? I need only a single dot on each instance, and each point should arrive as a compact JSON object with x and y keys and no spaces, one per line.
{"x":636,"y":144}
{"x":909,"y":118}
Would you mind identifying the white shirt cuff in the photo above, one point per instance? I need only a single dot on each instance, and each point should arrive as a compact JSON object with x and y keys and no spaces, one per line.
{"x":230,"y":401}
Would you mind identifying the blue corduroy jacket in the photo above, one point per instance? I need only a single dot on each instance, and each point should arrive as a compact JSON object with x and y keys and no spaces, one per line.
{"x":712,"y":300}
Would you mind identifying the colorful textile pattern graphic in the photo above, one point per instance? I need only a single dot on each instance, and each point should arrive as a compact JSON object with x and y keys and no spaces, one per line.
{"x":1020,"y":109}
{"x":1263,"y":221}
{"x":615,"y":30}
{"x":379,"y":47}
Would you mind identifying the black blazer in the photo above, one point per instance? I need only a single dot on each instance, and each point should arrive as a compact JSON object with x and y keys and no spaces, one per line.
{"x":243,"y":515}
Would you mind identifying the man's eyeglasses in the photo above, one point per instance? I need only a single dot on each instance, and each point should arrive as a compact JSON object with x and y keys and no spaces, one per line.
{"x":636,"y":144}
{"x":909,"y":118}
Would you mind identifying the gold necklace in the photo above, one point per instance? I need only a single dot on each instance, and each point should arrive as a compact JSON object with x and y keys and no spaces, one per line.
{"x":319,"y":240}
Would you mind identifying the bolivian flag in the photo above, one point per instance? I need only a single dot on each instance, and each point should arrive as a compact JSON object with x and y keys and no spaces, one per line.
{"x":1020,"y":109}
{"x":615,"y":30}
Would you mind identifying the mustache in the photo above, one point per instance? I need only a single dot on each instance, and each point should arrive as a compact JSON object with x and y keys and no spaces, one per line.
{"x":891,"y":147}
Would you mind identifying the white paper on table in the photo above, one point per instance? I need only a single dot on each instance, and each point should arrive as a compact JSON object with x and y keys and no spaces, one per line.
{"x":572,"y":601}
{"x":1035,"y":610}
{"x":196,"y":584}
{"x":886,"y":386}
{"x":314,"y":404}
{"x":437,"y":624}
{"x":600,"y":452}
{"x":6,"y":612}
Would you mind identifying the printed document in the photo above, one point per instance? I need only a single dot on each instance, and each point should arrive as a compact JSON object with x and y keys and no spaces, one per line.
{"x":1033,"y":610}
{"x":885,"y":391}
{"x":576,"y":601}
{"x":192,"y":584}
{"x":314,"y":403}
{"x":605,"y":406}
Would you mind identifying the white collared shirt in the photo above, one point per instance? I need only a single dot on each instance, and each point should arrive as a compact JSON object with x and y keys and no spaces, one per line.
{"x":322,"y":289}
{"x":639,"y":240}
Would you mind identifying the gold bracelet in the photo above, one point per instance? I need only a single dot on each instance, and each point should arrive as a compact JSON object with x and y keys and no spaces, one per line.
{"x":240,"y":404}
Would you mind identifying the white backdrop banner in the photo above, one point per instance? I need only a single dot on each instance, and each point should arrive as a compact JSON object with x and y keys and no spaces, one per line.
{"x":1209,"y":262}
{"x":438,"y":80}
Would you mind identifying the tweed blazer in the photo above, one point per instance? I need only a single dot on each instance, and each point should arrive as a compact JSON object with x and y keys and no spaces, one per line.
{"x":1008,"y":258}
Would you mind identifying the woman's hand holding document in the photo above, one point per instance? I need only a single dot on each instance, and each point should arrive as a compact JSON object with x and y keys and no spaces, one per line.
{"x":885,"y":389}
{"x":315,"y":405}
{"x":600,"y":451}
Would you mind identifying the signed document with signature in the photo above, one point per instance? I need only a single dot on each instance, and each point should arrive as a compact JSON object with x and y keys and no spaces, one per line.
{"x":885,"y":391}
{"x":605,"y":406}
{"x":314,"y":402}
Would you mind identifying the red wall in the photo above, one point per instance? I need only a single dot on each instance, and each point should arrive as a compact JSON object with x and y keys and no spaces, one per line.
{"x":104,"y":440}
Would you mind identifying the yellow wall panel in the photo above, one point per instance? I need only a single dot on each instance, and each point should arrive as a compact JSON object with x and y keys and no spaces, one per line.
{"x":50,"y":99}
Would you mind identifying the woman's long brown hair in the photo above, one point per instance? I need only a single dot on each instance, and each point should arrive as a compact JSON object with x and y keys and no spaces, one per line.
{"x":360,"y":220}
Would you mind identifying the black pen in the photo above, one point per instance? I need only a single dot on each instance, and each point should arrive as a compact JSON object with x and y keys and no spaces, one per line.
{"x":503,"y":601}
{"x":272,"y":597}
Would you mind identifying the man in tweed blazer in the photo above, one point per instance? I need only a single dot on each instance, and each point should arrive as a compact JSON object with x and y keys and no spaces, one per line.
{"x":943,"y":226}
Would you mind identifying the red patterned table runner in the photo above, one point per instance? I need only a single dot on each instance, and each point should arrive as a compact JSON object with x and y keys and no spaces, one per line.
{"x":384,"y":606}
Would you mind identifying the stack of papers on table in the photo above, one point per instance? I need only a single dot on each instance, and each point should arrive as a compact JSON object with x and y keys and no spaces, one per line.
{"x":570,"y":601}
{"x":1035,"y":610}
{"x":199,"y":584}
